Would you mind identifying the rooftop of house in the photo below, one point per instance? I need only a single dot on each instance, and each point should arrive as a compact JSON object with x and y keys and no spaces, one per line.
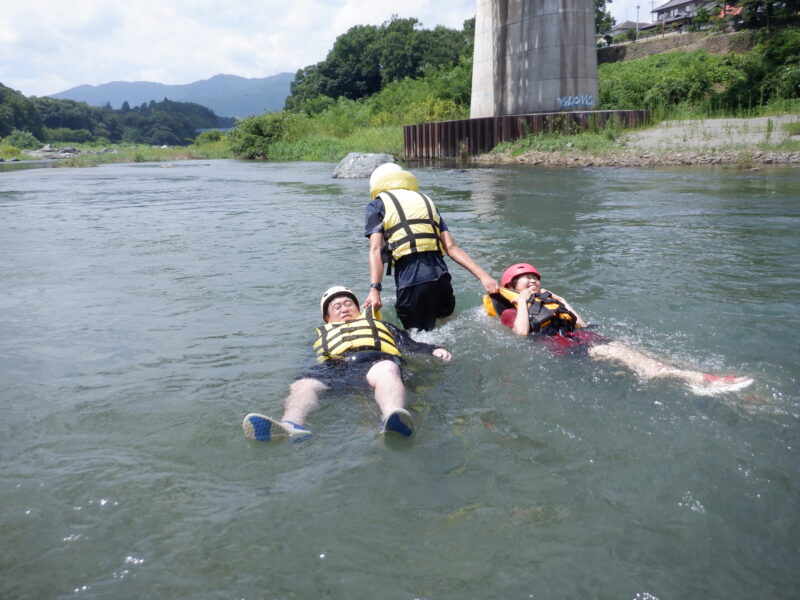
{"x":626,"y":26}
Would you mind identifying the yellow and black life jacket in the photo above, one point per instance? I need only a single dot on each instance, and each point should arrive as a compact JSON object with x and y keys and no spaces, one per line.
{"x":410,"y":224}
{"x":546,"y":314}
{"x":362,"y":334}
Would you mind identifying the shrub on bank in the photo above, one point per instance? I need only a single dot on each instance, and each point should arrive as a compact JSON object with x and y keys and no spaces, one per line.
{"x":253,"y":136}
{"x":23,"y":139}
{"x":316,"y":147}
{"x":9,"y":151}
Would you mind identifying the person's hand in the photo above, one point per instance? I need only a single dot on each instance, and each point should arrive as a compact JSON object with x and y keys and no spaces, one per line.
{"x":373,"y":299}
{"x":489,"y":284}
{"x":524,"y":296}
{"x":443,"y":354}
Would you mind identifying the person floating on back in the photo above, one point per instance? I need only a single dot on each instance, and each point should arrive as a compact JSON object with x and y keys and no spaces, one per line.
{"x":352,"y":347}
{"x":528,"y":309}
{"x":407,"y":226}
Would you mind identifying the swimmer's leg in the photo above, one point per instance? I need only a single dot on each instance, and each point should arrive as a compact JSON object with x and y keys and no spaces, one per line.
{"x":303,"y":399}
{"x":390,"y":395}
{"x":648,"y":367}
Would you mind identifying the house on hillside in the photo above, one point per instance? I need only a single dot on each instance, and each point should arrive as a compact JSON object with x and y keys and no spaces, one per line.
{"x":677,"y":15}
{"x":627,"y":26}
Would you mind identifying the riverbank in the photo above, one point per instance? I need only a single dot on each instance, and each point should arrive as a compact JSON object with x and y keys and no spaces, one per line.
{"x":739,"y":143}
{"x":742,"y":143}
{"x":87,"y":156}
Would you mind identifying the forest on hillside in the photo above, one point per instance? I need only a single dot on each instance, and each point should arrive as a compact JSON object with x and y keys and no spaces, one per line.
{"x":51,"y":120}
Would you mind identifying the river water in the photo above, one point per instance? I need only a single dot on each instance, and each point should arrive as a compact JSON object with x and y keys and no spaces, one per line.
{"x":145,"y":309}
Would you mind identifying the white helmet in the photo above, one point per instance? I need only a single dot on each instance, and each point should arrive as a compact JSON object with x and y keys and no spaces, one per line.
{"x":382,"y":170}
{"x":330,"y":294}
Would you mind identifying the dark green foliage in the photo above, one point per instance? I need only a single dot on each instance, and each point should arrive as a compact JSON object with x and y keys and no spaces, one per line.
{"x":701,"y":20}
{"x":159,"y":123}
{"x":603,"y":21}
{"x":69,"y":121}
{"x":770,"y":71}
{"x":367,"y":58}
{"x":770,"y":14}
{"x":168,"y":122}
{"x":17,"y":112}
{"x":62,"y":134}
{"x":253,"y":136}
{"x":718,"y":82}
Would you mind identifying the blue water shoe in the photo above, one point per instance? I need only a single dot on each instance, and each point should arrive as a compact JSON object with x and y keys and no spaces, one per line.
{"x":399,"y":421}
{"x":263,"y":428}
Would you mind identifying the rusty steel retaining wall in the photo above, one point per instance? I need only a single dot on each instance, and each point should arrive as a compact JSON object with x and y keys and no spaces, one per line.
{"x":468,"y":137}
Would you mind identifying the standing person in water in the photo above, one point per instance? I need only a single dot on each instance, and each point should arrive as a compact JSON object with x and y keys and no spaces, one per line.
{"x":352,"y":348}
{"x":408,"y":227}
{"x":528,"y":309}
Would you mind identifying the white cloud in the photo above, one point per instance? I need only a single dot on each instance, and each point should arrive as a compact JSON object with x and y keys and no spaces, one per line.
{"x":56,"y":45}
{"x":48,"y":46}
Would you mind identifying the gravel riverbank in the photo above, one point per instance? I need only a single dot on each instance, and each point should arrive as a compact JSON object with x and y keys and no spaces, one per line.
{"x":744,"y":143}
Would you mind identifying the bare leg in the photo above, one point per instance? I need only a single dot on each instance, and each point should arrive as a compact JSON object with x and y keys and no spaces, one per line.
{"x":644,"y":366}
{"x":302,"y":400}
{"x":648,"y":367}
{"x":390,"y":396}
{"x":390,"y":393}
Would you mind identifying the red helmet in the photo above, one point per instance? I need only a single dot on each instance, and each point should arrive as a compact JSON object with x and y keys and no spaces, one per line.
{"x":517,"y":269}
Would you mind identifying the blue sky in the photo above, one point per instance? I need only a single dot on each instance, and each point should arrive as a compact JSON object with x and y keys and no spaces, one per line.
{"x":48,"y":46}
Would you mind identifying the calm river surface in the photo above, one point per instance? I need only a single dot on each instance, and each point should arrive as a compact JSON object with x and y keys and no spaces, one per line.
{"x":145,"y":309}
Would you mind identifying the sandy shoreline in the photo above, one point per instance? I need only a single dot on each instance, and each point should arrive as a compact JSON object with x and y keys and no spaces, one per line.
{"x":735,"y":142}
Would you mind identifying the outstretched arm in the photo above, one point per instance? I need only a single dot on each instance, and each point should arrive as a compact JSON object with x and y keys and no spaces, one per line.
{"x":463,"y":259}
{"x":408,"y":344}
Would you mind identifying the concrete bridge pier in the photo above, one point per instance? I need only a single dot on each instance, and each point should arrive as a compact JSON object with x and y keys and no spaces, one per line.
{"x":534,"y":56}
{"x":534,"y":70}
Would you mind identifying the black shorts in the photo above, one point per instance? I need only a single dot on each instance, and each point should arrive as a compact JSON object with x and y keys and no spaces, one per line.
{"x":349,"y":372}
{"x":419,"y":306}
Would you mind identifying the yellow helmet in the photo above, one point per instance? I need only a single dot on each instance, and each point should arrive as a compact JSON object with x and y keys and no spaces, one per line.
{"x":331,"y":293}
{"x":395,"y":179}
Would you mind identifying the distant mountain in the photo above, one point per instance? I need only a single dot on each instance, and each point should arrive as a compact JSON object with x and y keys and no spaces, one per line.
{"x":226,"y":95}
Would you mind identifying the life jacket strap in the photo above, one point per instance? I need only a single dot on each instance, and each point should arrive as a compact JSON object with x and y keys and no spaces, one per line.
{"x":405,"y":224}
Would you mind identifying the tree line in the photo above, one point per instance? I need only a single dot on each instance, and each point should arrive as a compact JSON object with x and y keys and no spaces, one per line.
{"x":51,"y":120}
{"x":367,"y":58}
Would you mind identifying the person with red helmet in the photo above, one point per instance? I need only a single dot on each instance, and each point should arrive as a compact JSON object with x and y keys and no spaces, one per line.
{"x":352,"y":347}
{"x":528,"y":309}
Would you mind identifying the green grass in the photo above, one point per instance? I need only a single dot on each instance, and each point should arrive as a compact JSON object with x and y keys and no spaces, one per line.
{"x":786,"y":146}
{"x":686,"y":112}
{"x":792,"y":128}
{"x":323,"y":148}
{"x":584,"y":143}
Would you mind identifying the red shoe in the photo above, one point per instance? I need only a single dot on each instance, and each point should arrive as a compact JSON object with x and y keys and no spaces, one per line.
{"x":718,"y":384}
